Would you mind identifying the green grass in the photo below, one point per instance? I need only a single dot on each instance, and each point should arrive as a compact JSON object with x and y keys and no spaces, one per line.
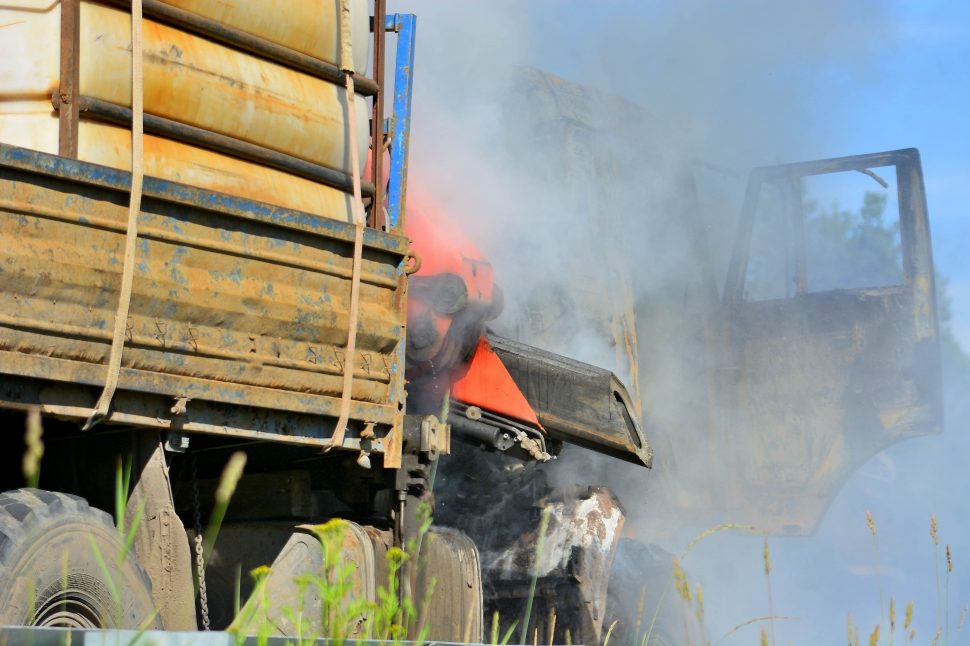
{"x":393,"y":615}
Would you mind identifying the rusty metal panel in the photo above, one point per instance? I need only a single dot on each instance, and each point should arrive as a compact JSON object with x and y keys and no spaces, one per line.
{"x":821,"y":383}
{"x":238,"y":306}
{"x":70,"y":82}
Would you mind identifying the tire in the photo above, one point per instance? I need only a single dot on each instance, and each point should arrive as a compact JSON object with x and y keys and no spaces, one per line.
{"x":645,"y":571}
{"x":452,"y":573}
{"x":50,"y":574}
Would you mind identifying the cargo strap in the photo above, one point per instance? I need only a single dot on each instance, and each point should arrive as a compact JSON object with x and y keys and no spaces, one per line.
{"x":134,"y":207}
{"x":347,"y":66}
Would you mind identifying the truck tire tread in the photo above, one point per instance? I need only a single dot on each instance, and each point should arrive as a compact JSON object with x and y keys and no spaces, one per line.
{"x":27,"y":514}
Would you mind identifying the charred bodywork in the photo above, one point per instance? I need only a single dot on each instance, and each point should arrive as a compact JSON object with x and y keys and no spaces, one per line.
{"x":500,"y":502}
{"x":759,"y":406}
{"x":820,"y":379}
{"x":576,"y":402}
{"x":582,"y":528}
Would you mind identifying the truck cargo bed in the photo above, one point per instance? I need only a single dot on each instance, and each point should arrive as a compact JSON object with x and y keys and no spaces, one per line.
{"x":239,"y":307}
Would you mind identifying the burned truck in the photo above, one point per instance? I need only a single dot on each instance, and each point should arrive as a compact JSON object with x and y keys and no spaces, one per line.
{"x":773,"y":341}
{"x":205,"y":255}
{"x":753,"y":317}
{"x":200,"y":261}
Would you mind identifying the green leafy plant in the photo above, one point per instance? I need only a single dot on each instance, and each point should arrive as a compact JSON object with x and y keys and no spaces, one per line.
{"x":540,"y":545}
{"x":34,"y":441}
{"x":344,"y":617}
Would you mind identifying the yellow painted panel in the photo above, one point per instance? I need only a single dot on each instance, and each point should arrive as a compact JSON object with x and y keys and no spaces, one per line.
{"x":308,"y":26}
{"x":110,"y":145}
{"x":29,"y":57}
{"x":35,"y":128}
{"x":201,"y":83}
{"x":188,"y":79}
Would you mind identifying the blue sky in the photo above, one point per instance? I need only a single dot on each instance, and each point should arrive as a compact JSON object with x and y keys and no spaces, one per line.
{"x":909,"y":86}
{"x":927,"y":107}
{"x":773,"y":82}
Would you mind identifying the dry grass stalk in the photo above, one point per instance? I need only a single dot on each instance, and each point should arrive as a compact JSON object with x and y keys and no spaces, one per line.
{"x":963,"y":616}
{"x":875,"y":559}
{"x":946,"y":603}
{"x":874,"y":636}
{"x":543,"y":526}
{"x":912,"y":635}
{"x":934,"y":534}
{"x":231,"y":474}
{"x":766,"y":556}
{"x":908,"y":618}
{"x":764,"y":637}
{"x":230,"y":477}
{"x":640,"y":608}
{"x":936,"y":638}
{"x":699,"y":596}
{"x":609,"y":633}
{"x":685,"y":594}
{"x":681,"y":582}
{"x":714,"y":530}
{"x":753,"y":620}
{"x":848,"y":628}
{"x":892,"y":615}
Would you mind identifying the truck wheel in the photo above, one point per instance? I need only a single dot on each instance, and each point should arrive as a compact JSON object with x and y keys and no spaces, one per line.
{"x":453,"y":575}
{"x":50,"y":570}
{"x":641,"y":570}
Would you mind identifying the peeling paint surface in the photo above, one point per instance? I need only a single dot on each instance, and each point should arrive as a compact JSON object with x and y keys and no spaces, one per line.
{"x":233,"y":302}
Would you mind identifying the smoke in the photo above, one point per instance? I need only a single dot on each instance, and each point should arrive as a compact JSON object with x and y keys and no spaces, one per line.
{"x":570,"y":140}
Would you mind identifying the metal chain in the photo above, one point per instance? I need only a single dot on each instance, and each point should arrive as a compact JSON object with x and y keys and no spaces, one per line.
{"x":199,"y":560}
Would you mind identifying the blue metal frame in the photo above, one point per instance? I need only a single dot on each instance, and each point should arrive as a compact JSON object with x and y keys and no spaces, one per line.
{"x":399,"y":127}
{"x":404,"y":26}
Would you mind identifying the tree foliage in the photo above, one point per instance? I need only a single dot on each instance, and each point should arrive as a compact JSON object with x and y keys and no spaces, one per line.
{"x":849,"y":249}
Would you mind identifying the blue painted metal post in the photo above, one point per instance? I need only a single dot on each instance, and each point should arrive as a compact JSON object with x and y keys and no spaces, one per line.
{"x":400,"y":131}
{"x":404,"y":25}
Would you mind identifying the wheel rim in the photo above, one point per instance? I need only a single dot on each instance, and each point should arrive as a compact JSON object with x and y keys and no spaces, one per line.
{"x":71,"y":608}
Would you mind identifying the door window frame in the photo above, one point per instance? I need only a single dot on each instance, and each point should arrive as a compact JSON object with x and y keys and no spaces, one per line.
{"x":913,"y":220}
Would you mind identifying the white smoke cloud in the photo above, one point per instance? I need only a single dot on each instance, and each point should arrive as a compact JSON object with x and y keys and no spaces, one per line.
{"x":730,"y":84}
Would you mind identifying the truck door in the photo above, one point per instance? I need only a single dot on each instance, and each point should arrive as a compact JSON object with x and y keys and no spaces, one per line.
{"x":831,"y":342}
